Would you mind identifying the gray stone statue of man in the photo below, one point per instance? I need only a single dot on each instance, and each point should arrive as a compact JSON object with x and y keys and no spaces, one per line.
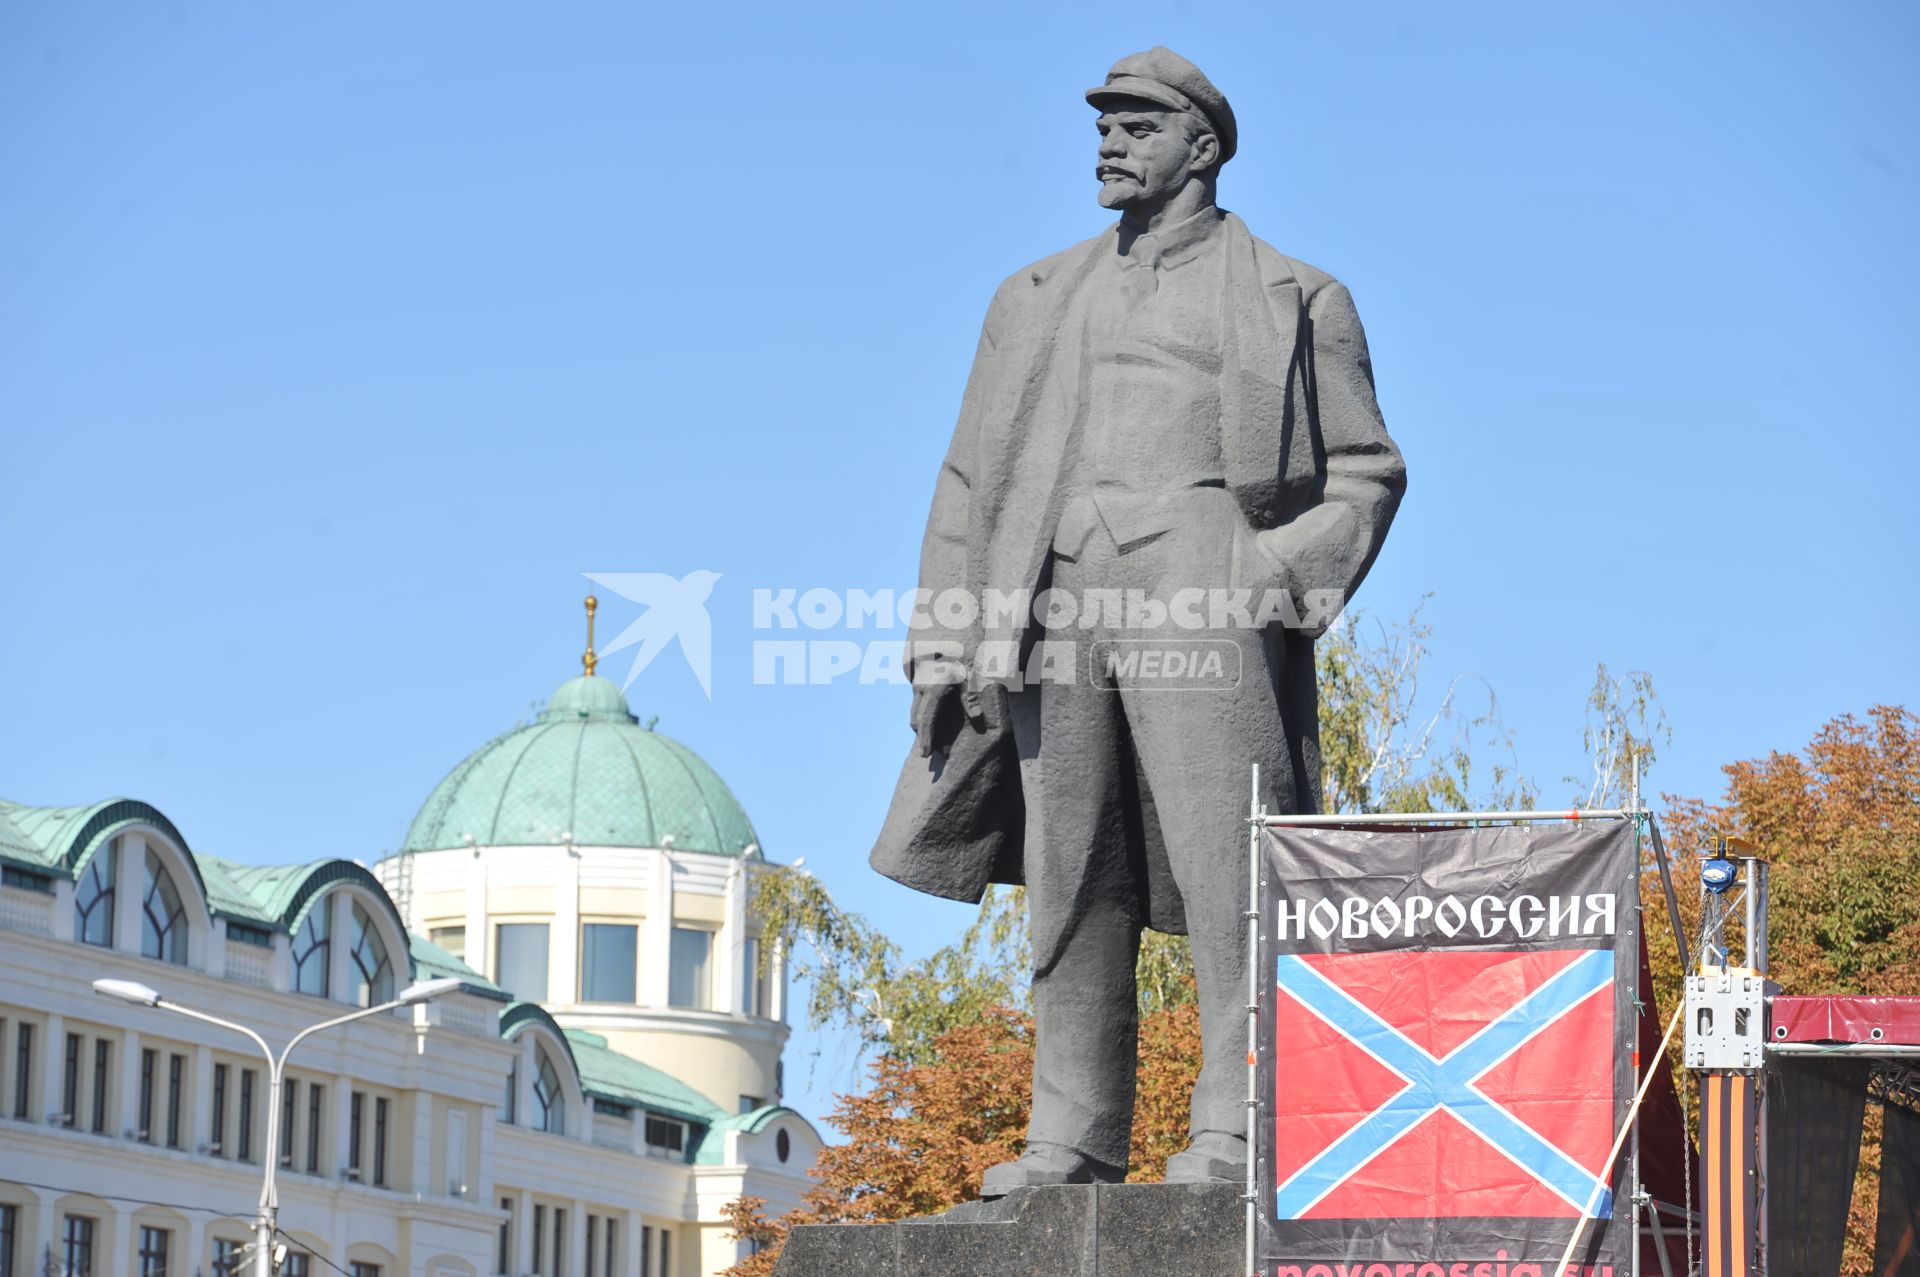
{"x":1170,"y":436}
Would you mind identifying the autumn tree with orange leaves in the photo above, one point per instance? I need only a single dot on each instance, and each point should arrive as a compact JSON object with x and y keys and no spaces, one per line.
{"x":918,"y":1140}
{"x":1839,"y":824}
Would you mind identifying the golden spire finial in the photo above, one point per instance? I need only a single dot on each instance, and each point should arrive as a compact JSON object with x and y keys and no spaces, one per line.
{"x":590,"y":660}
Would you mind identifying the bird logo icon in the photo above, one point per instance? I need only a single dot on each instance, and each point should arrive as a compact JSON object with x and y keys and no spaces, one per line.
{"x":674,"y":609}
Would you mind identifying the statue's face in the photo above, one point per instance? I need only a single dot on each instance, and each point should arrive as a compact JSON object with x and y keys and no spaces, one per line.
{"x":1147,"y":154}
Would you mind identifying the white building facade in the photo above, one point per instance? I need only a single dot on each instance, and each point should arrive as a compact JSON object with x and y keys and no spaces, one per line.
{"x":585,"y":1108}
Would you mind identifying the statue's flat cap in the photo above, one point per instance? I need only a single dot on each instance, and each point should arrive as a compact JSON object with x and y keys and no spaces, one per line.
{"x":1164,"y":77}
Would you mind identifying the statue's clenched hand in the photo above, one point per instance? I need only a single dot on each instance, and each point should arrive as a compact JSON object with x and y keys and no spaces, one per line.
{"x":937,"y":711}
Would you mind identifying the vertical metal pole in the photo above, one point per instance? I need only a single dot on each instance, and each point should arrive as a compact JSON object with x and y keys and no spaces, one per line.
{"x":1634,"y":1194}
{"x":269,"y":1218}
{"x":1633,"y":800}
{"x":1757,"y":870}
{"x":1254,"y":812}
{"x":1753,"y":909}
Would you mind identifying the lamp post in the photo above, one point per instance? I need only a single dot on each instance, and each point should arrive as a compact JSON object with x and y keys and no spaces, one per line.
{"x":268,"y":1220}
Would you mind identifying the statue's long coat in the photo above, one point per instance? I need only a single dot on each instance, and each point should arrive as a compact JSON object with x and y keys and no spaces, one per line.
{"x":1307,"y":458}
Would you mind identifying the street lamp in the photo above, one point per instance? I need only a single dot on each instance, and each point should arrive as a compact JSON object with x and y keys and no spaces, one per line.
{"x":269,"y":1218}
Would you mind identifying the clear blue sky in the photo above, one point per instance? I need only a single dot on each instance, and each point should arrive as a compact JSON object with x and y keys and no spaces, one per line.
{"x":337,"y":341}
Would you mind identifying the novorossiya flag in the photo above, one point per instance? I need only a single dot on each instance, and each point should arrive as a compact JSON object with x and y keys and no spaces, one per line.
{"x":1447,"y":1030}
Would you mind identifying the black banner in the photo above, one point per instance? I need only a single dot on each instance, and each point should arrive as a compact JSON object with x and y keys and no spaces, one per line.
{"x":1896,"y":1250}
{"x":1447,"y":1026}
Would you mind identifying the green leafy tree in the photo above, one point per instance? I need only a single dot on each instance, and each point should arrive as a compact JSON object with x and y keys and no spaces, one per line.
{"x":859,"y":982}
{"x":1384,"y":749}
{"x":1624,"y":729}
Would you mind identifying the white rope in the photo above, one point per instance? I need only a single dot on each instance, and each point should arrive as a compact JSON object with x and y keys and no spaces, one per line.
{"x":1606,"y":1169}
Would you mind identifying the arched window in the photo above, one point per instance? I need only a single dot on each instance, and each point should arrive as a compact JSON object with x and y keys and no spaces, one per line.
{"x":373,"y":974}
{"x":93,"y":898}
{"x":549,"y":1101}
{"x":163,"y":927}
{"x":312,"y":952}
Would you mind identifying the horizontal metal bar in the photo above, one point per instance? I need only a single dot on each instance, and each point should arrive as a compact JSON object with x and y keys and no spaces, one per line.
{"x":1441,"y":817}
{"x":1877,"y":1050}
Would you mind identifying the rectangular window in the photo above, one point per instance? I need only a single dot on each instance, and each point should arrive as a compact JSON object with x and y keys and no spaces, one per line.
{"x":359,"y":1268}
{"x":593,"y":1237}
{"x":457,"y":1152}
{"x":356,"y":1122}
{"x":77,"y":1240}
{"x":23,"y":1071}
{"x":246,"y":1115}
{"x":226,"y":1257}
{"x":646,"y":1250}
{"x":520,"y":959}
{"x":510,"y":1102}
{"x":153,"y":1251}
{"x":8,"y":1222}
{"x":613,"y":1248}
{"x":753,"y":981}
{"x":665,"y":1134}
{"x":666,"y":1253}
{"x":298,"y":1263}
{"x":148,"y":1061}
{"x":609,"y":960}
{"x":176,"y":1075}
{"x":690,"y":973}
{"x":219,"y":1114}
{"x":380,"y":1141}
{"x":289,"y":1105}
{"x":559,"y":1241}
{"x":26,"y":881}
{"x":102,"y":1056}
{"x":314,"y":1097}
{"x":70,"y":1082}
{"x":452,"y":939}
{"x":504,"y":1263}
{"x":539,"y":1225}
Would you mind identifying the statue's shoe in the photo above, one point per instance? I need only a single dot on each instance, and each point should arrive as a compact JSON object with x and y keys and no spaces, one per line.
{"x":1044,"y":1164}
{"x":1212,"y":1157}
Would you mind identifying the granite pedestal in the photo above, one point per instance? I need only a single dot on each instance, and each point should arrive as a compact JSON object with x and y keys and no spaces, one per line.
{"x":1105,"y":1230}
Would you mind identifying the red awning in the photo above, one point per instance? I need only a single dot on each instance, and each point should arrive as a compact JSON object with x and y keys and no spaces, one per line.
{"x":1848,"y":1018}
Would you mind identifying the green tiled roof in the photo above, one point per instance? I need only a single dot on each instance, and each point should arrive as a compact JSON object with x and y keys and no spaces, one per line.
{"x":265,"y":896}
{"x":588,"y":769}
{"x":46,"y":832}
{"x":62,"y":837}
{"x":431,"y":962}
{"x":14,"y":843}
{"x":226,"y":893}
{"x":272,"y":888}
{"x":609,"y":1075}
{"x":713,"y":1145}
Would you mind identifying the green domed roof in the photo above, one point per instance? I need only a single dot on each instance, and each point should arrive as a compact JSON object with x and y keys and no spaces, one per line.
{"x":587,"y":768}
